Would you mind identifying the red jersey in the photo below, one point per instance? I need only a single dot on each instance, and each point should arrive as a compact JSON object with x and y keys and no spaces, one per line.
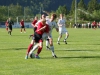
{"x":22,"y":23}
{"x":34,"y":22}
{"x":6,"y":23}
{"x":40,"y":25}
{"x":94,"y":23}
{"x":47,"y":29}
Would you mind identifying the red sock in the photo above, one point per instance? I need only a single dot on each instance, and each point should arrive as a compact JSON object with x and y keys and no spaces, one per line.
{"x":39,"y":50}
{"x":29,"y":48}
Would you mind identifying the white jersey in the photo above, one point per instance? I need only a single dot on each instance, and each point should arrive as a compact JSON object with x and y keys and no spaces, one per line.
{"x":52,"y":24}
{"x":62,"y":29}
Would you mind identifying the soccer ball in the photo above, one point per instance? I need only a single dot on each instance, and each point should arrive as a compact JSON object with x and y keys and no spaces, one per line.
{"x":32,"y":55}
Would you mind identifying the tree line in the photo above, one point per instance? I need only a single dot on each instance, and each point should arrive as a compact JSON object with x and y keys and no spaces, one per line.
{"x":85,"y":12}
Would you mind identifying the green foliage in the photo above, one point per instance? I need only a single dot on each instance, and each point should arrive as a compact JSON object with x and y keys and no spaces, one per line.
{"x":62,"y":9}
{"x":93,"y":5}
{"x":72,"y":7}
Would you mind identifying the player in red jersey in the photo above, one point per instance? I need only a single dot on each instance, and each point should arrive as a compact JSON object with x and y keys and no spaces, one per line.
{"x":22,"y":26}
{"x":6,"y":24}
{"x":94,"y":24}
{"x":37,"y":38}
{"x":34,"y":22}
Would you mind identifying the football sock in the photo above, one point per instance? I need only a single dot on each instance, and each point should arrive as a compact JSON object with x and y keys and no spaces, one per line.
{"x":34,"y":48}
{"x":52,"y":50}
{"x":39,"y":50}
{"x":65,"y":38}
{"x":10,"y":32}
{"x":47,"y":43}
{"x":58,"y":39}
{"x":29,"y":48}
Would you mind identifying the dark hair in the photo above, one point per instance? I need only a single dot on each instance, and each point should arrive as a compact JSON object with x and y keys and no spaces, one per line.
{"x":54,"y":15}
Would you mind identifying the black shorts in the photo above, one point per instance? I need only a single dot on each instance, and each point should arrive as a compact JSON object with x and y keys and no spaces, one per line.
{"x":35,"y":29}
{"x":10,"y":28}
{"x":22,"y":26}
{"x":37,"y":37}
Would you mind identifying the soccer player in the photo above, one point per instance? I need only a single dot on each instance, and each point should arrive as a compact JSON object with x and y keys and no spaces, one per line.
{"x":94,"y":24}
{"x":10,"y":23}
{"x":34,"y":22}
{"x":37,"y":38}
{"x":52,"y":24}
{"x":6,"y":24}
{"x":32,"y":41}
{"x":22,"y":26}
{"x":62,"y":29}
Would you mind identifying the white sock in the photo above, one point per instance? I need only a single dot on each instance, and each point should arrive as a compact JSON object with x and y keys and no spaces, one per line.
{"x":58,"y":39}
{"x":34,"y":48}
{"x":47,"y":43}
{"x":52,"y":50}
{"x":65,"y":38}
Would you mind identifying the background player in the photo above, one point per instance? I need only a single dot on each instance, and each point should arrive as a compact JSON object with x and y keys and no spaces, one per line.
{"x":62,"y":29}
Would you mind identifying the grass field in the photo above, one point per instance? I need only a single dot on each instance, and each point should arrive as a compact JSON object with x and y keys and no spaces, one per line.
{"x":81,"y":56}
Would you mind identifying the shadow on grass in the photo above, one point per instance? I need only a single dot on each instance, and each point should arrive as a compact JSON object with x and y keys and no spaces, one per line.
{"x":73,"y":57}
{"x":75,"y":50}
{"x":82,"y":57}
{"x":14,"y":49}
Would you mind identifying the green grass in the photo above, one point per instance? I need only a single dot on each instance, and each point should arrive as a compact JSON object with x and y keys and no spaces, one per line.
{"x":81,"y":56}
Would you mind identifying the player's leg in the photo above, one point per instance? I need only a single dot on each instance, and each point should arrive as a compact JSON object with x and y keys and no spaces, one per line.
{"x":52,"y":47}
{"x":29,"y":48}
{"x":33,"y":49}
{"x":21,"y":30}
{"x":24,"y":29}
{"x":10,"y":30}
{"x":60,"y":36}
{"x":67,"y":34}
{"x":47,"y":44}
{"x":39,"y":49}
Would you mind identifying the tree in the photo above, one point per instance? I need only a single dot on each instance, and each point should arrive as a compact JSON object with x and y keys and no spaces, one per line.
{"x":93,"y":5}
{"x":81,"y":9}
{"x":72,"y":7}
{"x":81,"y":5}
{"x":62,"y":9}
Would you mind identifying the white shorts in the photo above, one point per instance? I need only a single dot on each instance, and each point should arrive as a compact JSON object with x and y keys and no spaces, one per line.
{"x":46,"y":36}
{"x":62,"y":30}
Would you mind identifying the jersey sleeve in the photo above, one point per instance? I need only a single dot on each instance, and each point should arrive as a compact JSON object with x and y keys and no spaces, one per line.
{"x":55,"y":25}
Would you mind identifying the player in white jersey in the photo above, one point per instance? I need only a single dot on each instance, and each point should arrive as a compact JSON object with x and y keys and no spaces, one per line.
{"x":52,"y":24}
{"x":62,"y":29}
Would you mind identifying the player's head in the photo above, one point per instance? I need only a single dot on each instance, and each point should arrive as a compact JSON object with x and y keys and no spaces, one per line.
{"x":43,"y":21}
{"x":22,"y":20}
{"x":36,"y":17}
{"x":43,"y":16}
{"x":9,"y":19}
{"x":61,"y":15}
{"x":53,"y":16}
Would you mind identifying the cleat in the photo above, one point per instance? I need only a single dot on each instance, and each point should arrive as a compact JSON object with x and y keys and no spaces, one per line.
{"x":47,"y":48}
{"x":58,"y":43}
{"x":54,"y":56}
{"x":65,"y":41}
{"x":37,"y":57}
{"x":26,"y":57}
